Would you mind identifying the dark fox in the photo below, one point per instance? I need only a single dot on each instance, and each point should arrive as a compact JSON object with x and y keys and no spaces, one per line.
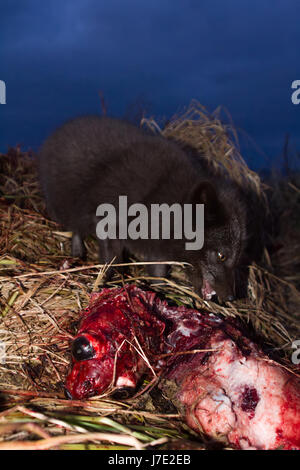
{"x":93,"y":160}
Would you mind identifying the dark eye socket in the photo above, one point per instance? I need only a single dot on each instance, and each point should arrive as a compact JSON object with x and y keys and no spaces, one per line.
{"x":221,"y":256}
{"x":82,"y":349}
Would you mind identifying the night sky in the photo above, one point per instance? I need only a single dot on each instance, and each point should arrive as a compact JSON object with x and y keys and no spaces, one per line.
{"x":56,"y":55}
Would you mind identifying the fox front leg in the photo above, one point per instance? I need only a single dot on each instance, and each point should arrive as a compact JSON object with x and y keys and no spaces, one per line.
{"x":111,"y":250}
{"x":78,"y":248}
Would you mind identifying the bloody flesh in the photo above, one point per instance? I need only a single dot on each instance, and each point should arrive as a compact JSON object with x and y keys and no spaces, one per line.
{"x":120,"y":325}
{"x":228,"y":390}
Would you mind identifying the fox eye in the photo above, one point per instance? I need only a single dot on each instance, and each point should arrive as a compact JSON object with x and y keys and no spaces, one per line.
{"x":221,"y":256}
{"x":82,"y":349}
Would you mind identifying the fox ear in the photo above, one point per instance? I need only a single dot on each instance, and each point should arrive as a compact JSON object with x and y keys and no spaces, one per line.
{"x":205,"y":193}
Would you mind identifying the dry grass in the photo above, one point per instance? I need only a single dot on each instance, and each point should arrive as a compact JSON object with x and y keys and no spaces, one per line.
{"x":42,"y":289}
{"x":213,"y":140}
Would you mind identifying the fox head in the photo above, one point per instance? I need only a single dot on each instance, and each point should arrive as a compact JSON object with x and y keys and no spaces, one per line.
{"x":224,"y":240}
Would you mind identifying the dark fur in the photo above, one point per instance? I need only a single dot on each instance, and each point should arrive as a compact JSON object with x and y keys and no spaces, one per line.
{"x":92,"y":160}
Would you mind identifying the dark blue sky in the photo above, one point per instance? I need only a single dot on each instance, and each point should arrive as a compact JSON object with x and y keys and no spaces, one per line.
{"x":56,"y":55}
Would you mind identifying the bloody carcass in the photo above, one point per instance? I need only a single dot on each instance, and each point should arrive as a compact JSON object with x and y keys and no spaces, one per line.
{"x":220,"y":380}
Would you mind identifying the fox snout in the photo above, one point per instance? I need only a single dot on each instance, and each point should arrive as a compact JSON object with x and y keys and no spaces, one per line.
{"x":220,"y":284}
{"x":224,"y":285}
